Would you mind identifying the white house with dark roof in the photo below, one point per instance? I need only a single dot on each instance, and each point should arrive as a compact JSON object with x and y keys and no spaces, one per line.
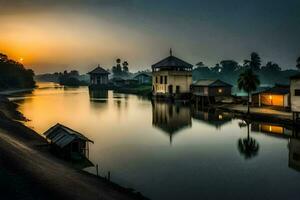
{"x":171,"y":77}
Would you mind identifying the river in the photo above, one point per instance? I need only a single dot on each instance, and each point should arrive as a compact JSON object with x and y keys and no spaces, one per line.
{"x":169,"y":151}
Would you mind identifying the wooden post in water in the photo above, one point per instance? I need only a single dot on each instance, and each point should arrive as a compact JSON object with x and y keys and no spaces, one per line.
{"x":108,"y":176}
{"x":97,"y":170}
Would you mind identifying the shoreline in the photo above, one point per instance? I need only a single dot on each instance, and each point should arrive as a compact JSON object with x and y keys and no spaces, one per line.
{"x":26,"y":159}
{"x":279,"y":119}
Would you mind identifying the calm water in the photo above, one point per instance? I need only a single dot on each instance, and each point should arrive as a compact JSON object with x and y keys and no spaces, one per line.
{"x":170,"y":151}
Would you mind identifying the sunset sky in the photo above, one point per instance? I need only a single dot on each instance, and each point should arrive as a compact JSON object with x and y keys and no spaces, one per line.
{"x":52,"y":36}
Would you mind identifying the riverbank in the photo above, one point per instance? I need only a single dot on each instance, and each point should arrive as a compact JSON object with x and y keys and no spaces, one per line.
{"x":141,"y":90}
{"x":29,"y":171}
{"x":259,"y":114}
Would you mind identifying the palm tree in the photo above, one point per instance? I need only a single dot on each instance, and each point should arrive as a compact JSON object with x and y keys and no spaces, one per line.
{"x":125,"y":66}
{"x":254,"y":63}
{"x":118,"y":67}
{"x":298,"y":63}
{"x":248,"y":81}
{"x":248,"y":146}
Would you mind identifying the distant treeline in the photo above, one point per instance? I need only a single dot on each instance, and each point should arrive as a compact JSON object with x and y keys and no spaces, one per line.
{"x":71,"y":78}
{"x":13,"y":75}
{"x":229,"y":71}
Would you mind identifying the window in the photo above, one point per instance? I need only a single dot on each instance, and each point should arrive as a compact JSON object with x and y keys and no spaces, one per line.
{"x":297,"y":92}
{"x":170,"y":89}
{"x":156,"y":79}
{"x":177,"y":88}
{"x":166,"y":80}
{"x":161,"y":79}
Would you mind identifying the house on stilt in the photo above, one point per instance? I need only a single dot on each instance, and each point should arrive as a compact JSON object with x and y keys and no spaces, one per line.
{"x":210,"y":91}
{"x":68,"y":143}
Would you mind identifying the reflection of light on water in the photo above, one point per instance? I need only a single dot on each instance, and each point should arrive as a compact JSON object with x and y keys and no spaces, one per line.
{"x":272,"y":129}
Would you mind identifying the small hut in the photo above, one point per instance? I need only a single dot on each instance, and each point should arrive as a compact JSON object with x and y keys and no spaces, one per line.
{"x":98,"y":77}
{"x":210,"y":91}
{"x":276,"y":97}
{"x":143,"y":78}
{"x":67,"y":142}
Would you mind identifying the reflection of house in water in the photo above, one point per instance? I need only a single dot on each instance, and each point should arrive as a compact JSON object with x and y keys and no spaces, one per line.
{"x":276,"y":130}
{"x":212,"y":117}
{"x":98,"y":95}
{"x":170,"y":118}
{"x":294,"y":153}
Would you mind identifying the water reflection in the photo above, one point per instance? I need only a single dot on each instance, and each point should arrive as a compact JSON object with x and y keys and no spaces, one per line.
{"x":248,"y":147}
{"x":133,"y":130}
{"x":171,"y":118}
{"x":294,"y":153}
{"x":271,"y":129}
{"x":212,"y":117}
{"x":98,"y":95}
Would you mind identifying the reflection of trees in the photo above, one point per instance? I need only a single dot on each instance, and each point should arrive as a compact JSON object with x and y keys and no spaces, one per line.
{"x":248,"y":147}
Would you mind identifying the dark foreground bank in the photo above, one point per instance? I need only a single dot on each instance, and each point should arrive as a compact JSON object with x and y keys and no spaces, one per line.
{"x":29,"y":171}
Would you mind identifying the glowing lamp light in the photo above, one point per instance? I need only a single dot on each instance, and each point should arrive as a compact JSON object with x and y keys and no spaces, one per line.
{"x":220,"y":117}
{"x":270,"y":97}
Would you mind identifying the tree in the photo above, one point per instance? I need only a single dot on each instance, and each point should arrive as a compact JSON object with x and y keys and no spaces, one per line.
{"x":118,"y":67}
{"x":228,"y":66}
{"x":248,"y":81}
{"x":254,"y":63}
{"x":200,"y":64}
{"x":271,"y":67}
{"x":125,"y":67}
{"x":14,"y":75}
{"x":114,"y":70}
{"x":217,"y":68}
{"x":248,"y":146}
{"x":298,"y":63}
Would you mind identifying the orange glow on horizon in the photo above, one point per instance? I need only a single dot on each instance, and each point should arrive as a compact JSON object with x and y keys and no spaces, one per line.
{"x":45,"y":42}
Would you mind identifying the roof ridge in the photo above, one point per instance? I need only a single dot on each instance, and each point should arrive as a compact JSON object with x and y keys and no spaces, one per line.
{"x":176,"y":61}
